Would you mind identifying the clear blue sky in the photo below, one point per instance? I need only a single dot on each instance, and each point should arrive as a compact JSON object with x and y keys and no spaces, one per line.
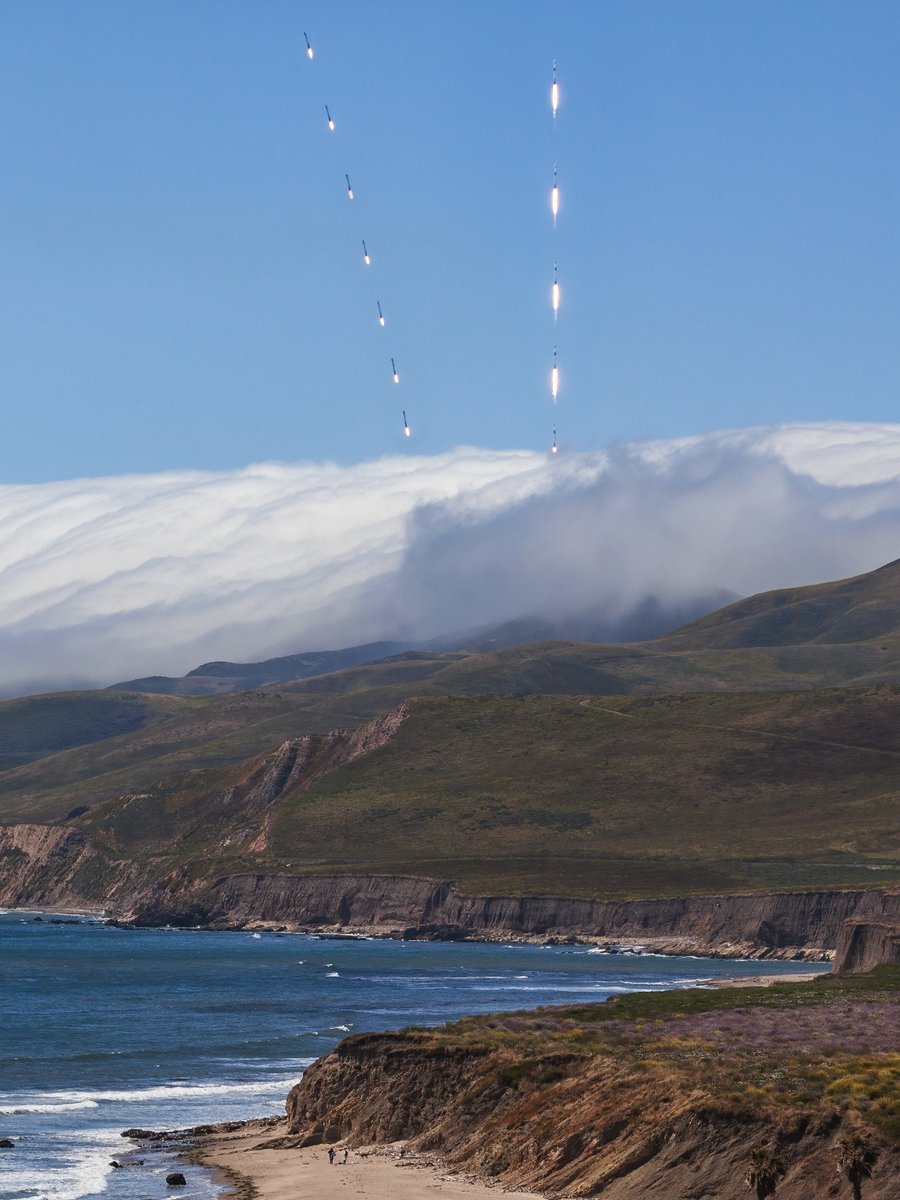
{"x":182,"y":283}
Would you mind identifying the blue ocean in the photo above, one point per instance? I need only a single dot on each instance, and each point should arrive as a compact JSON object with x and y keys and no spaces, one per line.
{"x":103,"y":1029}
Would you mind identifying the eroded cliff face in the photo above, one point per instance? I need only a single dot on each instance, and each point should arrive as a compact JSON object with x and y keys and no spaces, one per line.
{"x":867,"y":943}
{"x":558,"y":1125}
{"x":50,"y":865}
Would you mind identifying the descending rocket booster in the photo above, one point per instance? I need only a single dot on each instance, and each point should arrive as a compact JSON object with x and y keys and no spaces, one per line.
{"x":380,"y":314}
{"x":554,"y":92}
{"x":554,"y":292}
{"x":405,"y":424}
{"x":394,"y":369}
{"x":349,"y":188}
{"x":554,"y":378}
{"x":554,"y":196}
{"x":329,"y":119}
{"x":309,"y":49}
{"x":553,"y":447}
{"x":366,"y":259}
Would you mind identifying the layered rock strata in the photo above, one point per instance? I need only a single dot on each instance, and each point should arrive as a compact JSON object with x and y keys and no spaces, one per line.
{"x":60,"y":867}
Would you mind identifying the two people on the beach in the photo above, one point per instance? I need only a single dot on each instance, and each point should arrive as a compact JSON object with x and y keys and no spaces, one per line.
{"x":332,"y":1155}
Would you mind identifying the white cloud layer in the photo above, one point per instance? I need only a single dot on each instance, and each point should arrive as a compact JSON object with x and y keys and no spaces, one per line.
{"x":108,"y":579}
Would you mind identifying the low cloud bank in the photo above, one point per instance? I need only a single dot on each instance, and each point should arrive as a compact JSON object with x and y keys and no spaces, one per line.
{"x":114,"y":578}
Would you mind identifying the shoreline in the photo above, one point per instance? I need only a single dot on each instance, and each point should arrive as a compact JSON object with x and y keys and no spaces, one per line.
{"x":665,"y":946}
{"x":261,"y":1161}
{"x":258,"y":1159}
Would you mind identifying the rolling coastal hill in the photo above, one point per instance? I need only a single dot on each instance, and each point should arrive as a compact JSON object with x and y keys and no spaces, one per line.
{"x":615,"y":803}
{"x":673,"y":768}
{"x":556,"y":796}
{"x":863,"y":609}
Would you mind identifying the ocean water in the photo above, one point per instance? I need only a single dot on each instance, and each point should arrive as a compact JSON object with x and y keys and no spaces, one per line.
{"x":104,"y":1029}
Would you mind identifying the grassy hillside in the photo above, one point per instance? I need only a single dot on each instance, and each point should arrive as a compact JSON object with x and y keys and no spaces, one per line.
{"x":862,"y":609}
{"x":62,"y":751}
{"x":36,"y":726}
{"x":564,"y":795}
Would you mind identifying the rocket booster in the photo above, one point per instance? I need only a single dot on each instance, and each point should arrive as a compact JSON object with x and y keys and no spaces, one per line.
{"x":554,"y":196}
{"x":405,"y":424}
{"x":309,"y":49}
{"x":366,"y":259}
{"x":328,"y":118}
{"x":380,"y":314}
{"x":394,"y":370}
{"x":554,"y":378}
{"x":554,"y":92}
{"x":554,"y":292}
{"x":349,"y":188}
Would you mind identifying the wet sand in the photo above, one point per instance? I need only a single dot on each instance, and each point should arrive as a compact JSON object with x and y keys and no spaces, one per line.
{"x":301,"y":1174}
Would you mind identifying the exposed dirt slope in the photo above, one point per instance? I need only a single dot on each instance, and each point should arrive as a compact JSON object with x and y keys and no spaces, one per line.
{"x":635,"y":1107}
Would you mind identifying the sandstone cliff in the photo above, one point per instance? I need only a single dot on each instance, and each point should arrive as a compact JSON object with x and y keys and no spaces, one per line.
{"x":620,"y":1122}
{"x":864,"y":944}
{"x":60,"y":866}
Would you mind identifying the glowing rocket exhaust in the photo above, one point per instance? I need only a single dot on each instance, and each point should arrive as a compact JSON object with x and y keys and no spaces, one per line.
{"x":349,"y":188}
{"x":554,"y":196}
{"x":309,"y":49}
{"x":380,"y":314}
{"x":554,"y":92}
{"x":554,"y":293}
{"x":366,"y":259}
{"x":394,"y":369}
{"x":553,"y":447}
{"x":329,"y":119}
{"x":405,"y":424}
{"x":554,"y":378}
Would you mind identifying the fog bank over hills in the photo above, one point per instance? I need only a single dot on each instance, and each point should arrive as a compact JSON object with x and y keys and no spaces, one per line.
{"x":105,"y":579}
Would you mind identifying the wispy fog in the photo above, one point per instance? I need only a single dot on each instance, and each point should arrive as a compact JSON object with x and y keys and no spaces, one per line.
{"x":108,"y":579}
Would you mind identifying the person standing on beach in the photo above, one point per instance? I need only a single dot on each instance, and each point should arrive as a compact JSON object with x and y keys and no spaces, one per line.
{"x":331,"y":1155}
{"x":346,"y":1152}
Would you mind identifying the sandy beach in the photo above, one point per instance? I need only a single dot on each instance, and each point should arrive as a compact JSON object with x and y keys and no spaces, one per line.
{"x":301,"y":1174}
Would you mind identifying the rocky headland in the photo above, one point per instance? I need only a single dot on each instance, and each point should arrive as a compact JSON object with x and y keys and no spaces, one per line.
{"x":681,"y":1094}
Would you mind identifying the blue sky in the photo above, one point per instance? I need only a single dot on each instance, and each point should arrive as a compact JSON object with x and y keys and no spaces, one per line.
{"x":183,"y":285}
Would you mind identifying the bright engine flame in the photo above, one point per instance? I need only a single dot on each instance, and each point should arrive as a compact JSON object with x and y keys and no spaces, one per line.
{"x":331,"y":124}
{"x":381,"y":321}
{"x":554,"y":97}
{"x":309,"y":51}
{"x":554,"y":382}
{"x":554,"y":200}
{"x":367,"y":260}
{"x":555,"y":297}
{"x":552,"y":449}
{"x":407,"y":431}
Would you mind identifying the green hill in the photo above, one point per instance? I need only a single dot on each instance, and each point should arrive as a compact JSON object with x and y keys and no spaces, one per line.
{"x":64,"y":751}
{"x":559,"y":795}
{"x":863,"y":609}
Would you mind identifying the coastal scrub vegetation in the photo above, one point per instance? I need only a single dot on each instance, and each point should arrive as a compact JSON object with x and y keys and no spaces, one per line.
{"x":773,"y":1089}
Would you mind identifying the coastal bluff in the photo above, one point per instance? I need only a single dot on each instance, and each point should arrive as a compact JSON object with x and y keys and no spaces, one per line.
{"x":58,"y":866}
{"x":644,"y":1096}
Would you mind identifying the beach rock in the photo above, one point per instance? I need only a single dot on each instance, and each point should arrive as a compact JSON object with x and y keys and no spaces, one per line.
{"x":175,"y":1179}
{"x":6,"y":1143}
{"x":145,"y":1135}
{"x":115,"y":1164}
